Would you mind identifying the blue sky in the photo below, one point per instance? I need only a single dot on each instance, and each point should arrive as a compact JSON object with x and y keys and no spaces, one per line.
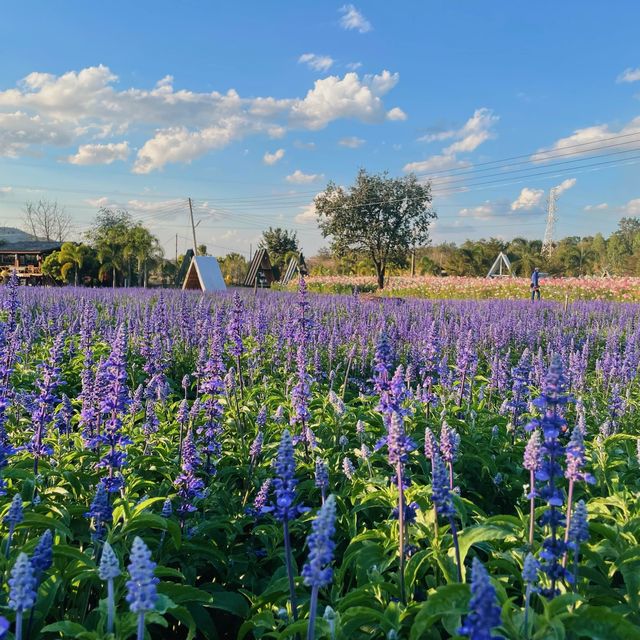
{"x":250,"y":108}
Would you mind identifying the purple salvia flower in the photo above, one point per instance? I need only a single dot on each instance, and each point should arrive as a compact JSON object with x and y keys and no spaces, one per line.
{"x":321,"y":478}
{"x":347,"y":468}
{"x":575,"y":458}
{"x":261,"y":418}
{"x":337,"y":403}
{"x":113,"y":406}
{"x":22,"y":590}
{"x":430,"y":444}
{"x":100,"y":512}
{"x":49,"y":379}
{"x":142,"y":592}
{"x":449,"y":443}
{"x":261,"y":498}
{"x":189,"y":486}
{"x":256,"y":448}
{"x":316,"y":571}
{"x":42,"y":556}
{"x":484,"y":610}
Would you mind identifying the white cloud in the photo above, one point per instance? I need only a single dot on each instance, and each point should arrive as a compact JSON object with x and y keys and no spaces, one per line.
{"x":5,"y":190}
{"x":352,"y":142}
{"x":484,"y":211}
{"x":100,"y":153}
{"x":437,"y":136}
{"x":603,"y":206}
{"x":349,"y":97}
{"x":436,"y":163}
{"x":352,"y":19}
{"x":98,"y":203}
{"x":297,"y":177}
{"x":565,"y":185}
{"x":316,"y":62}
{"x":476,"y":130}
{"x":396,"y":114}
{"x":632,"y":208}
{"x":272,"y":158}
{"x":300,"y":144}
{"x":149,"y":208}
{"x":590,"y":139}
{"x":528,"y":199}
{"x":84,"y":107}
{"x":353,"y":66}
{"x":19,"y":131}
{"x":307,"y":214}
{"x":629,"y":75}
{"x":179,"y":144}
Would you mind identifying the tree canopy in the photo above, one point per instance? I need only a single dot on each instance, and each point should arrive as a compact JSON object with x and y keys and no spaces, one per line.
{"x":281,"y":245}
{"x":380,"y":216}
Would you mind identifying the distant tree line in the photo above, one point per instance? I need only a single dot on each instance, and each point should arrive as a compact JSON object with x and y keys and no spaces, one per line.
{"x":618,"y":254}
{"x":117,"y":252}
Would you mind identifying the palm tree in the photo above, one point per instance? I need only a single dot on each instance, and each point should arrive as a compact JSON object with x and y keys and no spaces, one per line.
{"x":525,"y":255}
{"x":144,"y":248}
{"x":72,"y":256}
{"x":110,"y":261}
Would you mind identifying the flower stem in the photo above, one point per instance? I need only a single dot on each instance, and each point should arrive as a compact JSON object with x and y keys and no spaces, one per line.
{"x":313,"y":607}
{"x":532,"y":507}
{"x":568,"y":524}
{"x":18,"y":625}
{"x":289,"y":565}
{"x":403,"y":595}
{"x":527,"y":598}
{"x":141,"y":626}
{"x":110,"y":606}
{"x":456,"y":547}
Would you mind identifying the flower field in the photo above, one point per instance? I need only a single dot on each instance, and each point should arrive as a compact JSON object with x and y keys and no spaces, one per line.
{"x":281,"y":465}
{"x":622,"y":289}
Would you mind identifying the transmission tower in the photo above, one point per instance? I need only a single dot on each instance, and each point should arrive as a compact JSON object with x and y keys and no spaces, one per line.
{"x":547,"y":243}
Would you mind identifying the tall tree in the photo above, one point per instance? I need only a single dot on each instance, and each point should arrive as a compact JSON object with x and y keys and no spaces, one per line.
{"x":109,"y":236}
{"x":280,"y":244}
{"x":143,"y":247}
{"x":47,"y":220}
{"x":382,"y":216}
{"x":234,"y":268}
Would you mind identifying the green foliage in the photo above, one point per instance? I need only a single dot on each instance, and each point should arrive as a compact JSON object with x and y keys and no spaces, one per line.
{"x":381,"y":216}
{"x":281,"y":245}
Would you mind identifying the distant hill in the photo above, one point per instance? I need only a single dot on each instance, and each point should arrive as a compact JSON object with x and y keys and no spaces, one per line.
{"x":10,"y":235}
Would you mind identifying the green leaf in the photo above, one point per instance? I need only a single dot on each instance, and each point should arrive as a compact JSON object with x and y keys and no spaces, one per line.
{"x":474,"y":535}
{"x":182,"y":593}
{"x":232,"y":602}
{"x":450,"y":600}
{"x":35,"y":521}
{"x":600,"y":623}
{"x":66,"y":628}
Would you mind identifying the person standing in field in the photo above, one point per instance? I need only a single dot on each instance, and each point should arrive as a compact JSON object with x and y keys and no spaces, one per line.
{"x":535,"y":284}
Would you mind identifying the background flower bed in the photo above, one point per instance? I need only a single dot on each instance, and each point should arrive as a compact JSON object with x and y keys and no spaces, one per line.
{"x":623,"y":289}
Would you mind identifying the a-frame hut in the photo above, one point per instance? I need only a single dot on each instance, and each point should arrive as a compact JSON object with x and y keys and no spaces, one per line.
{"x":501,"y":267}
{"x":204,"y":275}
{"x":296,"y":266}
{"x":260,"y":270}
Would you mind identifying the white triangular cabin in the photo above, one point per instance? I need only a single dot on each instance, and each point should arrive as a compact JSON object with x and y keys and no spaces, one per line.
{"x":204,"y":275}
{"x":501,"y":267}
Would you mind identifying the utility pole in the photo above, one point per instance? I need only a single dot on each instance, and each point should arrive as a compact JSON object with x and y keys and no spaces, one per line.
{"x":193,"y":230}
{"x":176,"y":248}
